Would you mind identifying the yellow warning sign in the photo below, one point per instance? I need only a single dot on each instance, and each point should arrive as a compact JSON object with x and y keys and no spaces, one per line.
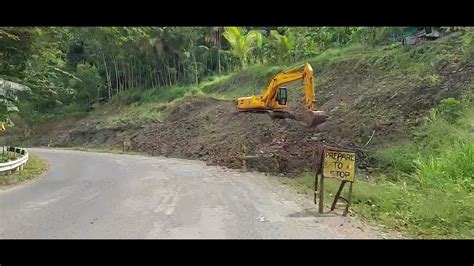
{"x":340,"y":165}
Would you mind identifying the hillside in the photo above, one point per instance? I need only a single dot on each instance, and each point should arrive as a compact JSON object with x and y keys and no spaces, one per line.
{"x":383,"y":91}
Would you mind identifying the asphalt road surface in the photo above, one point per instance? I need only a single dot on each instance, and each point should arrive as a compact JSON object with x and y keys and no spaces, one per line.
{"x":99,"y":195}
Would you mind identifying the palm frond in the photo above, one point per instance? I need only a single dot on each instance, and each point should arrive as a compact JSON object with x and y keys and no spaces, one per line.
{"x":9,"y":89}
{"x":7,"y":107}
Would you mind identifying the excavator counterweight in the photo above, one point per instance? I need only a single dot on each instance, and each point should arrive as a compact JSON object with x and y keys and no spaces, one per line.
{"x":274,"y":98}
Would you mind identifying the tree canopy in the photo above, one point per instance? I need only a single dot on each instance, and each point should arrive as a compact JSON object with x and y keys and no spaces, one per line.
{"x":78,"y":65}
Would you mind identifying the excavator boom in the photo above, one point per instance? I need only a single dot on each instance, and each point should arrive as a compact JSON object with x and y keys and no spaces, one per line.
{"x":274,"y":98}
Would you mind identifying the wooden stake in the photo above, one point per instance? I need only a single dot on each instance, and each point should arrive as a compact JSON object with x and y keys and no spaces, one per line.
{"x":321,"y":195}
{"x":349,"y":200}
{"x":338,"y":194}
{"x":316,"y":176}
{"x":315,"y":187}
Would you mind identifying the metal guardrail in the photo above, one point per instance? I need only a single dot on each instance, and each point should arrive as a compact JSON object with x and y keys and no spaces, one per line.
{"x":16,"y":164}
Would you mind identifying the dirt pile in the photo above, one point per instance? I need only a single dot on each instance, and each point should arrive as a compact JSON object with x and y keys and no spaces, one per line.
{"x":213,"y":130}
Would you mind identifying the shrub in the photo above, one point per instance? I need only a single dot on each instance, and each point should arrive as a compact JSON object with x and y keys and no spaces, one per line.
{"x":449,"y":109}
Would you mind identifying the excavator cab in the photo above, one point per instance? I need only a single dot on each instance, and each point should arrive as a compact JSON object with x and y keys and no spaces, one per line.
{"x":282,"y":96}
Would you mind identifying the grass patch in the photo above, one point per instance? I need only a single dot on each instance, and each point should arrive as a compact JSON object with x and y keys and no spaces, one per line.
{"x":6,"y":157}
{"x":418,"y":60}
{"x":431,"y":195}
{"x":250,"y":80}
{"x":440,"y":156}
{"x":34,"y":167}
{"x":418,"y":212}
{"x":135,"y":114}
{"x":425,"y":187}
{"x":390,"y":160}
{"x":34,"y":117}
{"x":140,"y":106}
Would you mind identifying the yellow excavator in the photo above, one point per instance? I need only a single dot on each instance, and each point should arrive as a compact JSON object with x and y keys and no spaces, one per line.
{"x":274,"y":98}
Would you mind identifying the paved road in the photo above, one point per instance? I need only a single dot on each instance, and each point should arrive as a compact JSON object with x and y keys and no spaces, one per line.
{"x":98,"y":195}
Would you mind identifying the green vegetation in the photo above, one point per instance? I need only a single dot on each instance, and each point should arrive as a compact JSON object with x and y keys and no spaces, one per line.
{"x":242,"y":43}
{"x":425,"y":187}
{"x":436,"y":171}
{"x":9,"y":99}
{"x":416,"y":64}
{"x":442,"y":152}
{"x":68,"y":68}
{"x":137,"y":107}
{"x":417,"y":212}
{"x":6,"y":157}
{"x":33,"y":168}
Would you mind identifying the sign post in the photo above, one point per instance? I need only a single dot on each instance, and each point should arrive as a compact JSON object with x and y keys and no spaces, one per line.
{"x":335,"y":163}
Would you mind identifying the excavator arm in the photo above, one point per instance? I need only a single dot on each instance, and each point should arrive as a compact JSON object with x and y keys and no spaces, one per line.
{"x":304,"y":72}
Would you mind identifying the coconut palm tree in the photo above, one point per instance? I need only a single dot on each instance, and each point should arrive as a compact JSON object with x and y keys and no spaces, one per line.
{"x":242,"y":43}
{"x":282,"y":43}
{"x":8,"y":98}
{"x":213,"y":38}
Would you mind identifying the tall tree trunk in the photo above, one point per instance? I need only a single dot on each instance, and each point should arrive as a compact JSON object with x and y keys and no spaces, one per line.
{"x":132,"y":75}
{"x":156,"y":76}
{"x":129,"y":76}
{"x":140,"y":74}
{"x":169,"y":74}
{"x":176,"y":66}
{"x":122,"y":77}
{"x":109,"y":83}
{"x":125,"y":77}
{"x":219,"y":57}
{"x":121,"y":84}
{"x":209,"y":63}
{"x":178,"y":70}
{"x":161,"y":73}
{"x":157,"y":79}
{"x":116,"y":75}
{"x":195,"y":68}
{"x":136,"y":70}
{"x":151,"y":78}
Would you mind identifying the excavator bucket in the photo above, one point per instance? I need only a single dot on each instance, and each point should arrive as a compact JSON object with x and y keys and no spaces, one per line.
{"x":313,"y":118}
